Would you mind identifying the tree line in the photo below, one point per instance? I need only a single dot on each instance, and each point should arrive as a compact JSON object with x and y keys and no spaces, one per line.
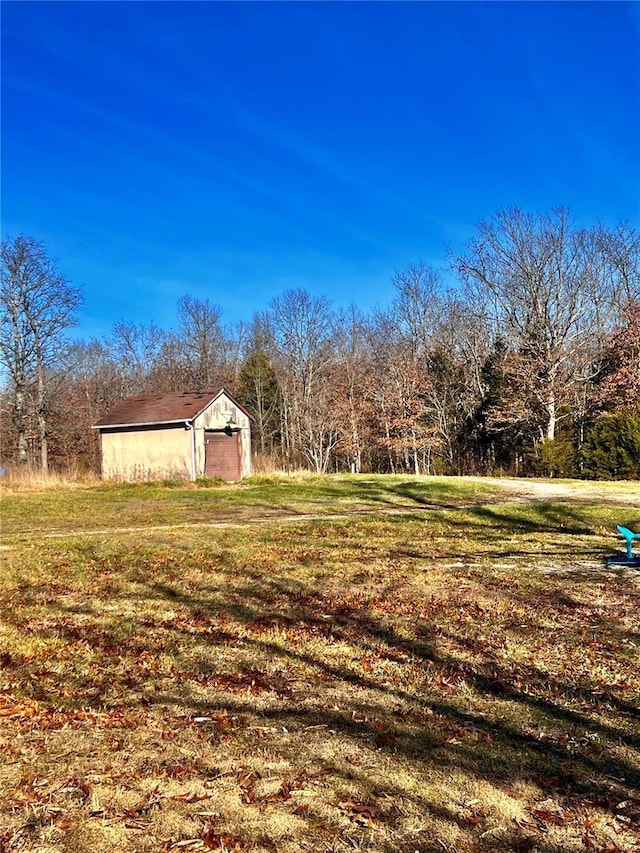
{"x":530,"y":365}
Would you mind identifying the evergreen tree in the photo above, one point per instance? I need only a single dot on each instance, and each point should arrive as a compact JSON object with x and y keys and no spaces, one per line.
{"x":612,"y":448}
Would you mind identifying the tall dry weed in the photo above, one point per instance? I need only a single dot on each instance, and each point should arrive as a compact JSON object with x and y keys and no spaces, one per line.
{"x":28,"y":479}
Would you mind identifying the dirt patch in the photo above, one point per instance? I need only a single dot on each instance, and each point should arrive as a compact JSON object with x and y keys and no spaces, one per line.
{"x":543,"y":490}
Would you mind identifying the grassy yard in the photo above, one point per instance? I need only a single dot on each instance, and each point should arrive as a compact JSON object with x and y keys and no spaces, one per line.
{"x":112,"y":506}
{"x":383,"y":664}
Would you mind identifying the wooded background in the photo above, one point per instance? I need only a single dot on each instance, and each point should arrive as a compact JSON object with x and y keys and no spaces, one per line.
{"x":530,"y":365}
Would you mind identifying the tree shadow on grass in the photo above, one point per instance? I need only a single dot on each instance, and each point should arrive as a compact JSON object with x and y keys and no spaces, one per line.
{"x":510,"y":519}
{"x":458,"y":714}
{"x":520,"y":754}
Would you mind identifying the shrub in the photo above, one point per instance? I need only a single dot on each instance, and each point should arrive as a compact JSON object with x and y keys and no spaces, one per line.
{"x":612,"y":448}
{"x":555,"y":458}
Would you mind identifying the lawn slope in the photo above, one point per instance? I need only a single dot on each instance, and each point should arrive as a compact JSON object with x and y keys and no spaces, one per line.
{"x":459,"y":676}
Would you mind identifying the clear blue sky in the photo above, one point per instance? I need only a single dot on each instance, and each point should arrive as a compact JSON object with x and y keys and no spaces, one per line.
{"x":233,"y":150}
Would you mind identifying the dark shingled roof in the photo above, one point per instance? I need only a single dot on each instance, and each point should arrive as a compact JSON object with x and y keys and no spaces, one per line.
{"x":162,"y":408}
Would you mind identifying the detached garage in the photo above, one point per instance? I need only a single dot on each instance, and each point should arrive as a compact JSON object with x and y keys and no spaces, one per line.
{"x":161,"y":436}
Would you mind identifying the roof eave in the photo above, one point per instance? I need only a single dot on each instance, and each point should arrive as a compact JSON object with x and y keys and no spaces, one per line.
{"x":143,"y":423}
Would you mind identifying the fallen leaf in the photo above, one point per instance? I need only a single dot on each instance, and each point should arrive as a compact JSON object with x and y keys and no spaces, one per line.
{"x":361,"y":813}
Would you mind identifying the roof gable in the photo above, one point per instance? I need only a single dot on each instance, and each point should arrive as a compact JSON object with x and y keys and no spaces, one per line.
{"x":148,"y":409}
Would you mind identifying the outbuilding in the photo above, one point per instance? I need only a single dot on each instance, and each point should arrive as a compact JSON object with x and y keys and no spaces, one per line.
{"x":183,"y":436}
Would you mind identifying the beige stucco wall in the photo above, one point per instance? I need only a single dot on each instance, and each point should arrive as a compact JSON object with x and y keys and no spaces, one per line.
{"x":214,"y":417}
{"x":147,"y":454}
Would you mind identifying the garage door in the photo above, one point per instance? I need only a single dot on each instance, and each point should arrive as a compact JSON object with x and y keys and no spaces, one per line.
{"x":222,"y":455}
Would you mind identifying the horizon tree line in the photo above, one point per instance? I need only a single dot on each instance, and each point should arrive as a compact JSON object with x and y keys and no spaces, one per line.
{"x":531,"y":366}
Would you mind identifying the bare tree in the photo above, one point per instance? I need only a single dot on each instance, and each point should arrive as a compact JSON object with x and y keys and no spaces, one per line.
{"x":537,"y":278}
{"x":417,"y":382}
{"x":89,"y":381}
{"x":258,"y":385}
{"x":619,"y":385}
{"x":418,"y":304}
{"x":620,"y":248}
{"x":37,"y":304}
{"x":303,"y":327}
{"x":400,"y":382}
{"x":137,"y":347}
{"x":202,"y":339}
{"x":352,"y":383}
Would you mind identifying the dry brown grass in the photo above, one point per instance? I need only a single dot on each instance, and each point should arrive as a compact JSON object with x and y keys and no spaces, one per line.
{"x":27,"y":479}
{"x":458,"y":680}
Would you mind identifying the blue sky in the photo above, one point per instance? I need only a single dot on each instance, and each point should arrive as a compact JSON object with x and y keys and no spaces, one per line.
{"x":234,"y":150}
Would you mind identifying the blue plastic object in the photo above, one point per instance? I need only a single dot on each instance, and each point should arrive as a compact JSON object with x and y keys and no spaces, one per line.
{"x":630,"y":559}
